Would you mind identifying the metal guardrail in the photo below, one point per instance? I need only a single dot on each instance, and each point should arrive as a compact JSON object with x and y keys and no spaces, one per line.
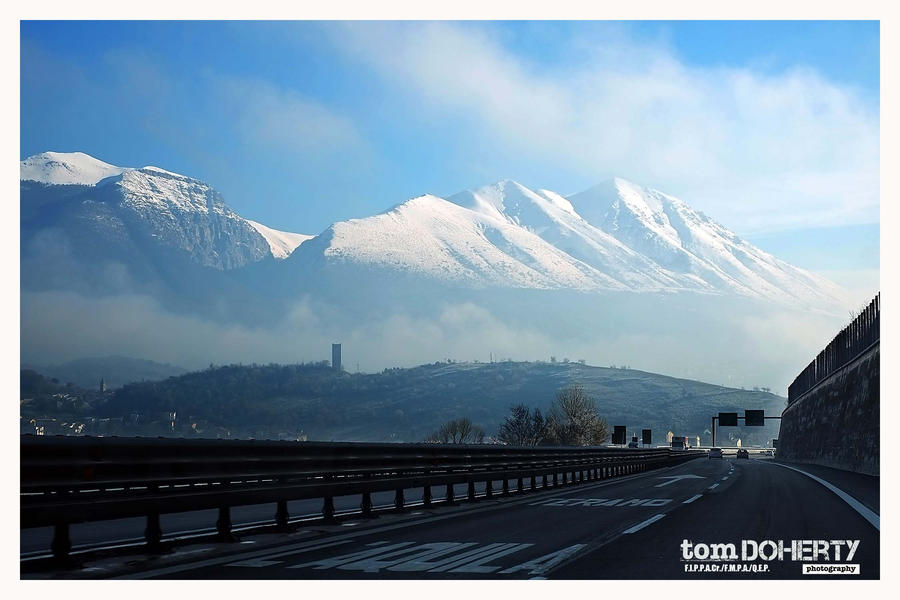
{"x":67,"y":480}
{"x":850,"y":343}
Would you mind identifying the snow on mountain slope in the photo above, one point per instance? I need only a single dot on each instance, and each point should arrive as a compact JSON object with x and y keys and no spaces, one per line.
{"x":444,"y":241}
{"x":281,"y":243}
{"x":188,"y":214}
{"x":687,"y":242}
{"x":147,"y":209}
{"x":614,"y":236}
{"x":555,"y":220}
{"x":66,"y":168}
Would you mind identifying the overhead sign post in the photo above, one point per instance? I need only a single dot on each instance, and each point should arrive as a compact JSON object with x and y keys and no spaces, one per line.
{"x":619,"y":434}
{"x":646,"y":438}
{"x":754,"y":418}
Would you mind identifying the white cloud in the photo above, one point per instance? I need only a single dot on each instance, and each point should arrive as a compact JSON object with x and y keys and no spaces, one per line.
{"x":270,"y":116}
{"x":757,"y":151}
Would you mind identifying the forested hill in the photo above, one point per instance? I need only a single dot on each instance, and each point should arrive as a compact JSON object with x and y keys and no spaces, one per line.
{"x":317,"y":403}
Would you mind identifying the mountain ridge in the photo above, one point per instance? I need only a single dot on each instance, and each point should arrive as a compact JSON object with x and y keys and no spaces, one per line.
{"x":614,"y":236}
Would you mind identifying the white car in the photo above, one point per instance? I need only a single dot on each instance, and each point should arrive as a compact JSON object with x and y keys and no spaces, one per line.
{"x":714,"y":453}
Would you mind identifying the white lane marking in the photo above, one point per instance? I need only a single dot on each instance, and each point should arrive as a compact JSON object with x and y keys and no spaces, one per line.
{"x":643,"y":524}
{"x":419,"y":564}
{"x":617,"y":502}
{"x":478,"y":566}
{"x":220,"y":560}
{"x":336,"y":561}
{"x":724,"y":478}
{"x":467,"y":557}
{"x":674,"y":478}
{"x":691,"y":499}
{"x":864,"y":511}
{"x":713,"y":486}
{"x":541,"y":565}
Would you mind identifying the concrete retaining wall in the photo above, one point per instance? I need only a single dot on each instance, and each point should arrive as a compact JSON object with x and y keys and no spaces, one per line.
{"x":835,"y":424}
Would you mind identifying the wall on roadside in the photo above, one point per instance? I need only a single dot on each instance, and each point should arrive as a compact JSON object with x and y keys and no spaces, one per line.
{"x":835,"y":424}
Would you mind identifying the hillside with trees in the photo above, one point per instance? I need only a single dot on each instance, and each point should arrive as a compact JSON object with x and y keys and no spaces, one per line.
{"x":315,"y":402}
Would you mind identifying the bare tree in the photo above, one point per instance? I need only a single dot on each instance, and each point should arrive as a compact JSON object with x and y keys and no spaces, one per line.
{"x":522,"y":427}
{"x":458,"y":431}
{"x":573,"y":419}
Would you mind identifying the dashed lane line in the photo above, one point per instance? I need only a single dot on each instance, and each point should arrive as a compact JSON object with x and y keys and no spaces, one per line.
{"x":692,"y":498}
{"x":713,"y":486}
{"x":643,"y":524}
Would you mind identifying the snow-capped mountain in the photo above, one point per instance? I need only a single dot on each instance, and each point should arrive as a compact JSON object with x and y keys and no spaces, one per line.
{"x":438,"y":239}
{"x":688,"y":244}
{"x":554,"y":219}
{"x":175,"y":211}
{"x":617,"y":236}
{"x":66,"y":168}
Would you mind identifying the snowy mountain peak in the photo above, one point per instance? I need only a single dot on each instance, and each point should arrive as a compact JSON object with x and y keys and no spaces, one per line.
{"x":513,"y":202}
{"x":66,"y":168}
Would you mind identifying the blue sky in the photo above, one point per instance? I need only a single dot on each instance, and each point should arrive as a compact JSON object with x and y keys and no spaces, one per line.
{"x":768,"y":127}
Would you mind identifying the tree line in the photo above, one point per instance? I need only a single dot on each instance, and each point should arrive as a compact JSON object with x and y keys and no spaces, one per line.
{"x":571,"y":420}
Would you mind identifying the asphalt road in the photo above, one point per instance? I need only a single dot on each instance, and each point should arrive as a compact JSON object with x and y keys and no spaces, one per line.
{"x":635,"y":527}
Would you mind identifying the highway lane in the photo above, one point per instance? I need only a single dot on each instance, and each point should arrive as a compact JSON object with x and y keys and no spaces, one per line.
{"x":765,"y":502}
{"x":625,"y":528}
{"x":520,"y":536}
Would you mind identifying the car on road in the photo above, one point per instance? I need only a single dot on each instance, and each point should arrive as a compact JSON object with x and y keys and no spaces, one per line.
{"x":742,"y":453}
{"x":714,"y":453}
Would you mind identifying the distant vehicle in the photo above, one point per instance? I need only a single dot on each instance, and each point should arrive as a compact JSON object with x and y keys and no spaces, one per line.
{"x":742,"y":453}
{"x":678,"y":443}
{"x":633,"y":443}
{"x":769,"y":452}
{"x":715,"y":453}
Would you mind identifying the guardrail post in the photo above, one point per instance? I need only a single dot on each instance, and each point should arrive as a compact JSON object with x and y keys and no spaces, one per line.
{"x":62,"y":543}
{"x":223,"y":525}
{"x":472,"y":491}
{"x":399,"y":500}
{"x":366,"y":505}
{"x":281,"y":515}
{"x":534,"y":481}
{"x":545,"y":483}
{"x":505,"y":487}
{"x":555,"y":479}
{"x":489,"y":489}
{"x":153,"y":531}
{"x":328,"y":508}
{"x":426,"y":496}
{"x":519,"y":485}
{"x":450,"y":499}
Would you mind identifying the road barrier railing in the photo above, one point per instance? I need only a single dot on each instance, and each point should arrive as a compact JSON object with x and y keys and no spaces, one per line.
{"x":855,"y":339}
{"x":66,"y":480}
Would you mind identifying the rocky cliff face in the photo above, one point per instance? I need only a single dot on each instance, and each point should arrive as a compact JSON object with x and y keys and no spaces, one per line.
{"x":183,"y":214}
{"x":147,"y":209}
